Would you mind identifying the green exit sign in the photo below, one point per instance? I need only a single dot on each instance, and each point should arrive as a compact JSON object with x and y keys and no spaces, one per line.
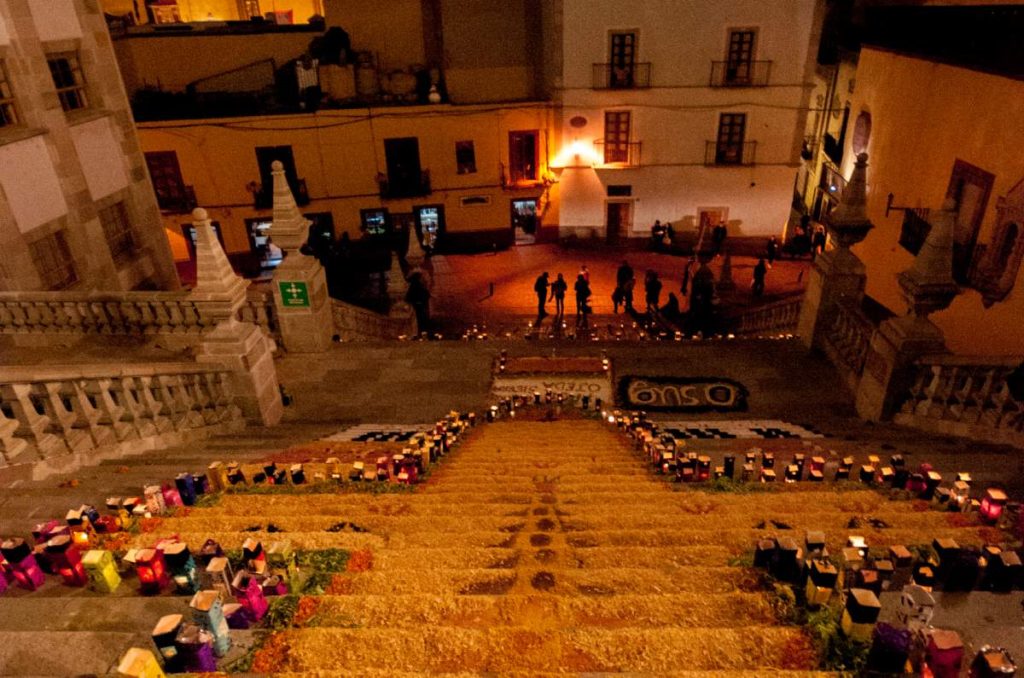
{"x":294,"y":294}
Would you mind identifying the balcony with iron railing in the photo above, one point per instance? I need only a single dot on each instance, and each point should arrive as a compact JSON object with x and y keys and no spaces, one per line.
{"x":263,"y":197}
{"x":740,"y":73}
{"x":726,"y":155}
{"x":620,"y":154}
{"x":628,"y":76}
{"x":411,"y":187}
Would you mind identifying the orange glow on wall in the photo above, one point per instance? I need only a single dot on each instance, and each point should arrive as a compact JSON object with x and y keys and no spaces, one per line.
{"x":578,"y":153}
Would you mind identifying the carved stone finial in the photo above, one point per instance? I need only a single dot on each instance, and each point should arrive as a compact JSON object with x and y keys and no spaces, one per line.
{"x":928,"y":284}
{"x":849,"y":223}
{"x":289,"y":228}
{"x":215,"y":277}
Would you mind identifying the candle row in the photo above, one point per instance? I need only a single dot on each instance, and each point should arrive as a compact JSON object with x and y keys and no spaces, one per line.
{"x":860,"y":579}
{"x":668,"y":456}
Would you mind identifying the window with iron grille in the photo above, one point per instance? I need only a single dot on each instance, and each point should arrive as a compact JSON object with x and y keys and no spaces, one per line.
{"x":740,"y":57}
{"x":729,"y":146}
{"x":52,"y":258}
{"x":616,"y":136}
{"x":66,"y":71}
{"x":622,"y":59}
{"x":118,"y":231}
{"x":8,"y":114}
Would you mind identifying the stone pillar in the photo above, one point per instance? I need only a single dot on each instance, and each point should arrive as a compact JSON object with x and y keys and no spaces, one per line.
{"x":837,"y":273}
{"x":300,"y":285}
{"x":240,"y":347}
{"x":928,"y":286}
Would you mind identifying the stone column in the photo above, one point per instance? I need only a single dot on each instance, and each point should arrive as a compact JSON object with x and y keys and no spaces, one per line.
{"x":240,"y":347}
{"x":837,"y":273}
{"x":300,"y":284}
{"x":927,"y":286}
{"x":398,"y":286}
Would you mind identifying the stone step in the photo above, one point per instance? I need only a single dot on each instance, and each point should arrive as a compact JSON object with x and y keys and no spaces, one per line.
{"x":63,"y":653}
{"x":700,"y":610}
{"x":526,"y":649}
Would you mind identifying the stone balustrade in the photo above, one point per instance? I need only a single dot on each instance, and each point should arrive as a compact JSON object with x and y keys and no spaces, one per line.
{"x":354,"y":323}
{"x":965,"y":396}
{"x":134,"y":313}
{"x":777,"y":317}
{"x":846,"y":339}
{"x":54,"y":417}
{"x":259,"y":310}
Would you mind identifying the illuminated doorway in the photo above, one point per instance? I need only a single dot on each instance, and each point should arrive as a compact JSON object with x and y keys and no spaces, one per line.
{"x":524,"y":221}
{"x":430,"y":225}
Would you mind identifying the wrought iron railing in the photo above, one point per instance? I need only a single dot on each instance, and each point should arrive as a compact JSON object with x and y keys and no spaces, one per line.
{"x":718,"y":153}
{"x":619,"y":153}
{"x":740,"y":73}
{"x":622,"y":76}
{"x":412,"y":187}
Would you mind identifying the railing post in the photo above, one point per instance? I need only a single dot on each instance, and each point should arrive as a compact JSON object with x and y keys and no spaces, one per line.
{"x":837,"y":274}
{"x":300,"y":284}
{"x":240,"y":347}
{"x":898,"y":343}
{"x":32,"y":425}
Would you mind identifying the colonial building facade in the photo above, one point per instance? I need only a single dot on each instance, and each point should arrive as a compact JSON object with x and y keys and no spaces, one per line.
{"x":687,"y":112}
{"x":76,"y":204}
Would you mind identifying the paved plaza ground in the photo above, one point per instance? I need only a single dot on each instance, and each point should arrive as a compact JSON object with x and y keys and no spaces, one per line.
{"x":462,"y":288}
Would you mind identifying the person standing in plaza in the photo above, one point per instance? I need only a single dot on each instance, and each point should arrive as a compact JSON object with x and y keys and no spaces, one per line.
{"x":582,"y":289}
{"x":652,"y":291}
{"x":623,"y":279}
{"x":772,"y":249}
{"x":718,"y":236}
{"x":541,"y":288}
{"x":585,"y":273}
{"x":558,"y":289}
{"x":818,"y":241}
{"x":760,"y":270}
{"x":686,"y":276}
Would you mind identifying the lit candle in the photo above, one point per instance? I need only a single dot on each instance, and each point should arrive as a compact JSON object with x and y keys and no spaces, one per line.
{"x":195,"y":647}
{"x":23,"y":564}
{"x":155,"y":502}
{"x":253,"y":556}
{"x":861,"y":613}
{"x":282,"y":561}
{"x":186,"y":485}
{"x":171,"y":495}
{"x":67,"y":560}
{"x":992,"y":505}
{"x":217,"y":575}
{"x":102,"y":571}
{"x":208,"y":612}
{"x":217,"y":475}
{"x":151,"y":571}
{"x":250,"y":594}
{"x":82,"y":533}
{"x":182,"y":567}
{"x":298,"y":474}
{"x":139,"y":663}
{"x":164,"y":634}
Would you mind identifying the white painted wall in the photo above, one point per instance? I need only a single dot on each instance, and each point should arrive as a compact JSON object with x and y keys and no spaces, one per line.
{"x":30,"y":183}
{"x":101,"y":157}
{"x":679,"y":113}
{"x":55,"y":19}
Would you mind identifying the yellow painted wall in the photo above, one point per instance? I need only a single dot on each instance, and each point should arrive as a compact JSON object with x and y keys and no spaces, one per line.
{"x":220,"y":10}
{"x":392,"y":29}
{"x":925,"y":116}
{"x":339,"y":153}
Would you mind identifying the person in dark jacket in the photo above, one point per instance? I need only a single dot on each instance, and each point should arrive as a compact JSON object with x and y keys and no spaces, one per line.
{"x":652,"y":291}
{"x":582,"y":288}
{"x":418,"y":296}
{"x":558,"y":289}
{"x":760,"y":270}
{"x":541,"y":288}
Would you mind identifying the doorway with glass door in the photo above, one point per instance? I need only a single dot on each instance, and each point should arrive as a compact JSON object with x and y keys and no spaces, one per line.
{"x":524,"y":221}
{"x":618,"y":220}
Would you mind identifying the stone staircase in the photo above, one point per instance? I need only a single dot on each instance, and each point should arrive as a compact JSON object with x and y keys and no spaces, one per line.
{"x":539,"y":547}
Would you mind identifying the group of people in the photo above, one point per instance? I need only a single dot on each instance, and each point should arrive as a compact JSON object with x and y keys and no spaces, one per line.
{"x":555,"y":291}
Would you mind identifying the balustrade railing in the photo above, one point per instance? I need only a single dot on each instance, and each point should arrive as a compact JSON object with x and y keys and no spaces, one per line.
{"x":139,"y":313}
{"x":259,"y":309}
{"x":847,"y":337}
{"x":778,"y":317}
{"x":46,"y":412}
{"x":354,"y":323}
{"x":124,"y":313}
{"x":967,"y":396}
